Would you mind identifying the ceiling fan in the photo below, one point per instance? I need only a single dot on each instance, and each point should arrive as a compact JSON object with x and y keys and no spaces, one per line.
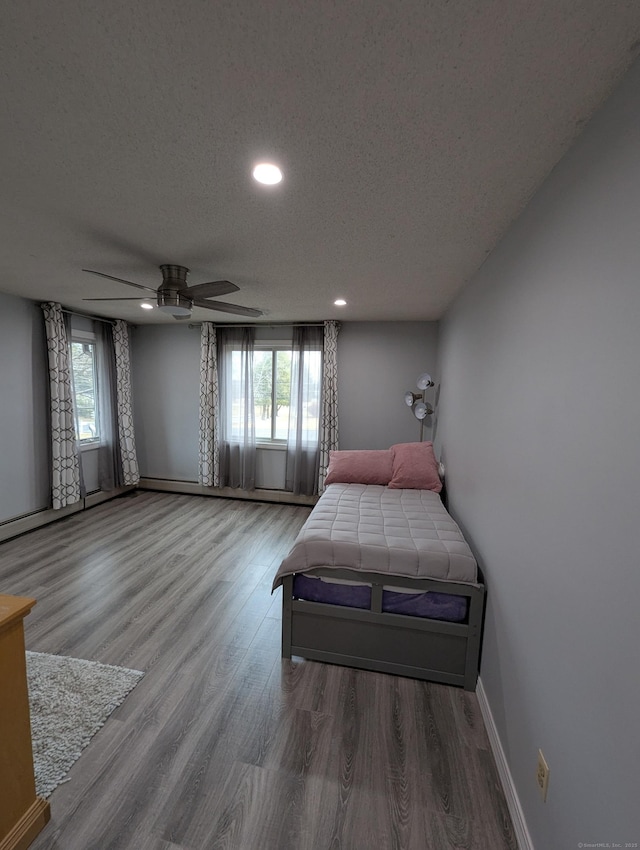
{"x":173,"y":296}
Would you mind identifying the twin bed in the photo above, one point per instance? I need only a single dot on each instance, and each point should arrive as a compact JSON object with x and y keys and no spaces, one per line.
{"x":380,"y":576}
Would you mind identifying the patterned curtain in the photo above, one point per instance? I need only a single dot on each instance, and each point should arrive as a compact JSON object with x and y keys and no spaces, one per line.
{"x":65,"y":468}
{"x":329,"y":424}
{"x":209,"y":450}
{"x":129,"y":460}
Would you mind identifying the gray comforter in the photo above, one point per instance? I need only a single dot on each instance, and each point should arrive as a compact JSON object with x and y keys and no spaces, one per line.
{"x":373,"y":528}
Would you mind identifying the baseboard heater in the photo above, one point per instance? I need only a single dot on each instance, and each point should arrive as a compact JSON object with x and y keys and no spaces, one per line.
{"x":168,"y":485}
{"x":29,"y":522}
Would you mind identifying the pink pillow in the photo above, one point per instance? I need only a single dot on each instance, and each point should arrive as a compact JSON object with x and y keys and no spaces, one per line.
{"x":367,"y":466}
{"x":415,"y":467}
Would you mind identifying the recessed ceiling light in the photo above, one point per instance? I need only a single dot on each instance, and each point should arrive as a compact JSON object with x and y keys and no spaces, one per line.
{"x":147,"y":305}
{"x":340,"y":302}
{"x":266,"y":172}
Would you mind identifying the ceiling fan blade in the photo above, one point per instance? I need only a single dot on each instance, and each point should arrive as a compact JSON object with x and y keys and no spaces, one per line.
{"x":209,"y":290}
{"x":142,"y":298}
{"x":120,"y":280}
{"x":223,"y":307}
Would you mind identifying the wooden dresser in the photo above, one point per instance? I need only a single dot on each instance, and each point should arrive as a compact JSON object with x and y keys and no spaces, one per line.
{"x":22,"y":813}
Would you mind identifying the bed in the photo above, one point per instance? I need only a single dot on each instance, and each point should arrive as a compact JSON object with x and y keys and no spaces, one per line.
{"x":381,"y":578}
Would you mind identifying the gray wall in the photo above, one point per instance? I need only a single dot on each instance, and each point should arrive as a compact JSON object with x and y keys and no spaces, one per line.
{"x":377,"y":363}
{"x":24,"y":458}
{"x":166,"y":379}
{"x":540,"y":428}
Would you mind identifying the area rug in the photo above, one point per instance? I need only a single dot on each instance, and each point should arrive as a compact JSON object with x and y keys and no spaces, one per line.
{"x":70,"y":699}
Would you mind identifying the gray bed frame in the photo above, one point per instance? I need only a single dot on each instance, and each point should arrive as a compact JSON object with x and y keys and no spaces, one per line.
{"x":371,"y":639}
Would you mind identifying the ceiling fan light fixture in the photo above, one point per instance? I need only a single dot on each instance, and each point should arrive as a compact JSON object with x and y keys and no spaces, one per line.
{"x":173,"y":303}
{"x":173,"y":310}
{"x":267,"y":173}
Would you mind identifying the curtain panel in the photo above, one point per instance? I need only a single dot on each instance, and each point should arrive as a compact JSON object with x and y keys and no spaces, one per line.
{"x":68,"y":328}
{"x":65,"y":465}
{"x":110,"y":474}
{"x":126,"y":435}
{"x":209,"y":450}
{"x":329,"y":421}
{"x":237,"y":459}
{"x":303,"y":442}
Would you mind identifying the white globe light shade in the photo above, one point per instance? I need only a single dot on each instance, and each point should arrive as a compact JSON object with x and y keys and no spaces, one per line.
{"x":425,"y":380}
{"x":420,"y":410}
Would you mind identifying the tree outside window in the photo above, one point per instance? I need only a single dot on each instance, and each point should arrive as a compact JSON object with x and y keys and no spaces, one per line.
{"x":272,"y":393}
{"x":271,"y":379}
{"x":85,"y":386}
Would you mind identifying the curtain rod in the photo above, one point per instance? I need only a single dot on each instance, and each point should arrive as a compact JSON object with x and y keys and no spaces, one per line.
{"x":193,"y":325}
{"x":87,"y":316}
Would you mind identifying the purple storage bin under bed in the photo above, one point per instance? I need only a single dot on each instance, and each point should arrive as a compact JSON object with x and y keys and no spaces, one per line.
{"x":431,"y":604}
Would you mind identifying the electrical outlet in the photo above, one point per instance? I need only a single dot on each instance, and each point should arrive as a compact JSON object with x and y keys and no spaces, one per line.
{"x":542,"y":776}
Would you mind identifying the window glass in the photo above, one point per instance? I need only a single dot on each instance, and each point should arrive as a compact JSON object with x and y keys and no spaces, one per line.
{"x":282,"y":394}
{"x":271,"y":392}
{"x":235,"y":409}
{"x":263,"y":393}
{"x":271,"y":383}
{"x":83,"y":364}
{"x":311,"y":389}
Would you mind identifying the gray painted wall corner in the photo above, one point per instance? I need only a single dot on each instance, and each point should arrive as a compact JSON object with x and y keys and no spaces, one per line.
{"x":539,"y":423}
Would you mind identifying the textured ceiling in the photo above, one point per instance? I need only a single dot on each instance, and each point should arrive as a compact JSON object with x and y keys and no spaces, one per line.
{"x":411,"y":134}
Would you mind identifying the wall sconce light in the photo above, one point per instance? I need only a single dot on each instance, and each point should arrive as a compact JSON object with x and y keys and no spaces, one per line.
{"x":416,"y":401}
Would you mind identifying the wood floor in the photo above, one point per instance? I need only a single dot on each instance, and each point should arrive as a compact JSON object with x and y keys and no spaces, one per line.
{"x":223,"y":744}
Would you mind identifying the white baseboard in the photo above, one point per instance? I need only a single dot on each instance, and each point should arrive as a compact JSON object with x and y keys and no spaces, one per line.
{"x":167,"y":485}
{"x":513,"y":803}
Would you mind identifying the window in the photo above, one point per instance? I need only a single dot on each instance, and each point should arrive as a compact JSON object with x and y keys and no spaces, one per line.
{"x":85,"y":388}
{"x":271,"y":382}
{"x":271,"y":393}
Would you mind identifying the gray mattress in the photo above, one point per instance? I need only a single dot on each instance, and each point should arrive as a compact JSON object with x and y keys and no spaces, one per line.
{"x":372,"y":528}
